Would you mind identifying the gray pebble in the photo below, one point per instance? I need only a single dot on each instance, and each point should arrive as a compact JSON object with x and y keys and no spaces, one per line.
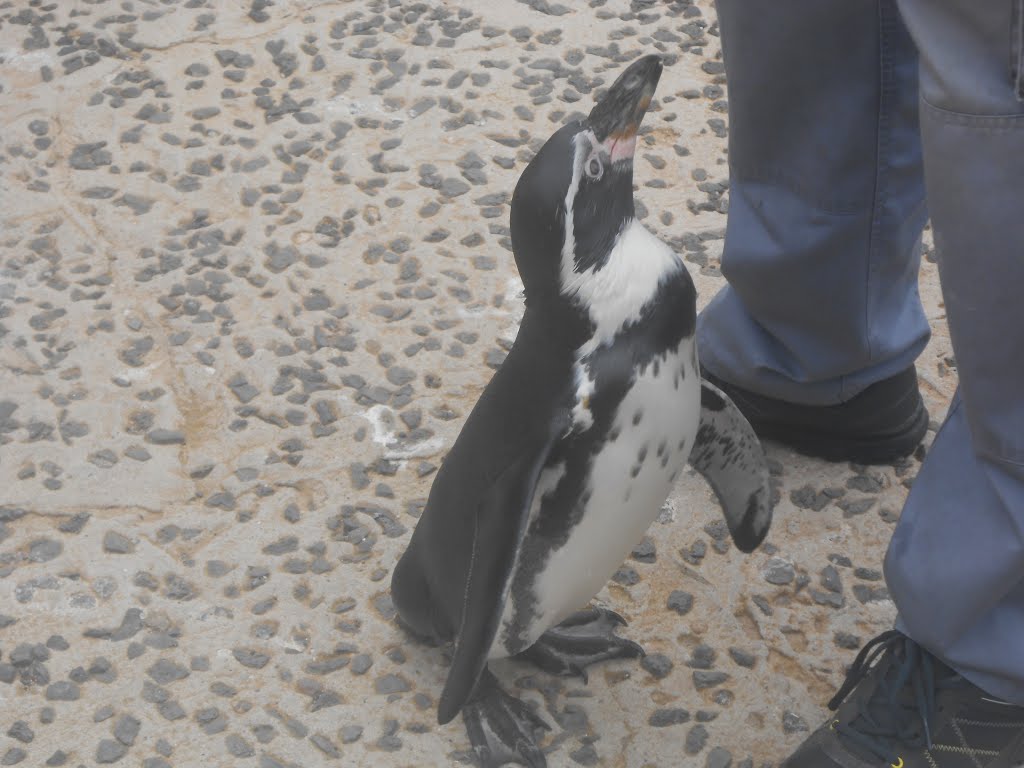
{"x":165,"y":437}
{"x":350,"y":733}
{"x":138,"y":453}
{"x":778,"y":572}
{"x":13,"y":756}
{"x":63,"y":691}
{"x":21,"y":731}
{"x":793,"y":723}
{"x":110,"y":751}
{"x":75,"y":523}
{"x":452,"y":187}
{"x":866,"y":594}
{"x":742,"y":658}
{"x":645,"y":552}
{"x":238,"y":746}
{"x":808,"y":497}
{"x":250,"y":657}
{"x":585,"y":755}
{"x":391,"y":684}
{"x":680,"y":602}
{"x":361,"y":663}
{"x":868,"y":574}
{"x":708,"y":679}
{"x":171,"y":710}
{"x":166,"y":671}
{"x":282,"y":546}
{"x":126,"y":729}
{"x":657,"y":664}
{"x":696,"y":739}
{"x":626,"y":576}
{"x":846,"y":640}
{"x":830,"y":579}
{"x":661,"y":718}
{"x":43,"y":550}
{"x":719,"y":757}
{"x":116,"y":543}
{"x":326,"y":746}
{"x":853,"y":507}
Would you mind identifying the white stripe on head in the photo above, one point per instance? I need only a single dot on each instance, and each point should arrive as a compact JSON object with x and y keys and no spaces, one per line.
{"x":581,"y":145}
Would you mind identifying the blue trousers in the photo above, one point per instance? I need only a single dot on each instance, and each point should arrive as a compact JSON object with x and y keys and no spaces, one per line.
{"x":843,"y":115}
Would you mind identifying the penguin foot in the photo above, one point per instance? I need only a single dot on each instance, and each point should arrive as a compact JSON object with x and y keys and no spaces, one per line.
{"x":412,"y":632}
{"x":585,"y":638}
{"x":501,"y":727}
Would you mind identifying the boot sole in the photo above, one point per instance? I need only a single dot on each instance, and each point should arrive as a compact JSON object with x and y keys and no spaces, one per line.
{"x":873,"y":449}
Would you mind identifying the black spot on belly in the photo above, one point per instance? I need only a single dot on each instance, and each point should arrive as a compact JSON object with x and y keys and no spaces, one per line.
{"x":664,"y":461}
{"x":657,"y":366}
{"x":682,"y":444}
{"x":662,"y":447}
{"x":675,"y":381}
{"x":637,"y":416}
{"x":635,"y":470}
{"x":642,"y":455}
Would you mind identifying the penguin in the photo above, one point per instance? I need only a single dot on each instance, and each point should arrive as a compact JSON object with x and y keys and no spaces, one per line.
{"x":574,"y":445}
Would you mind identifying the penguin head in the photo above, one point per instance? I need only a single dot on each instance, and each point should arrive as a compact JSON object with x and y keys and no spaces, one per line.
{"x":576,"y":195}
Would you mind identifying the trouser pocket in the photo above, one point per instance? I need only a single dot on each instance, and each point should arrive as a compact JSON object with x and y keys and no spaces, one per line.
{"x":1017,"y":48}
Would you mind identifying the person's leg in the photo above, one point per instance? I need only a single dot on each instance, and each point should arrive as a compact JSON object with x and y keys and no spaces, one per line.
{"x":826,"y":202}
{"x":949,"y":685}
{"x":956,"y":563}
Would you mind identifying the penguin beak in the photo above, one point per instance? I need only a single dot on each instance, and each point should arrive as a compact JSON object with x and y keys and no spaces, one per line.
{"x":616,"y":118}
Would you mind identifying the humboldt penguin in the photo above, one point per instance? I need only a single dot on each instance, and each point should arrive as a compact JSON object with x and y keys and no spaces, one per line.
{"x":574,"y":445}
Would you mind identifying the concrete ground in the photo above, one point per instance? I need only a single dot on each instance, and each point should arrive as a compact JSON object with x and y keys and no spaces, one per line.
{"x":254,"y":272}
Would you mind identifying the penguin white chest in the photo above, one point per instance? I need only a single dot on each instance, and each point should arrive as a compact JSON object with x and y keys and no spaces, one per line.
{"x":629,"y":479}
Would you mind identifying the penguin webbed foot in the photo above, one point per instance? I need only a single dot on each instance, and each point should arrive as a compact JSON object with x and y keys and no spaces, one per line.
{"x":501,"y":727}
{"x":585,"y":638}
{"x":412,"y":632}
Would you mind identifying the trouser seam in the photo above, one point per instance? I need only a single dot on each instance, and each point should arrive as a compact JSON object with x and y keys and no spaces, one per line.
{"x":1017,"y":48}
{"x":886,"y":87}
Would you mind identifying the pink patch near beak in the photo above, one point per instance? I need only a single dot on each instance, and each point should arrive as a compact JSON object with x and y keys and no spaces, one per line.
{"x":621,"y":147}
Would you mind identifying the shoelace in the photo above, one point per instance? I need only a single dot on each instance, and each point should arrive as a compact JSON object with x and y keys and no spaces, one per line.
{"x":888,"y":717}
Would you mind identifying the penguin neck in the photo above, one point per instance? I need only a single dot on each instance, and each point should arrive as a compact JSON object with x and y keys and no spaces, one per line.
{"x":561,"y":321}
{"x":613,"y":295}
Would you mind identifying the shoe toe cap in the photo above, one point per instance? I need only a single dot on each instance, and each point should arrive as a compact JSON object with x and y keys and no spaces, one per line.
{"x":822,"y":749}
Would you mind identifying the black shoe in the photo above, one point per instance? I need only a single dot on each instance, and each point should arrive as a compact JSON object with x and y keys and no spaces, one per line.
{"x":906,"y":709}
{"x":884,"y":422}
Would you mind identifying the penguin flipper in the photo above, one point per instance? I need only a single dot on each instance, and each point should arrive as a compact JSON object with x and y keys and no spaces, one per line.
{"x":729,"y":456}
{"x":499,"y":525}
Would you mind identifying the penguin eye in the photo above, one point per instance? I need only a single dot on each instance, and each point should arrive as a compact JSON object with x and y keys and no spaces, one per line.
{"x":594,"y":167}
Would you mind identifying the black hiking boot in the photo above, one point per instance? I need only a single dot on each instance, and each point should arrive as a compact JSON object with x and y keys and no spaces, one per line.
{"x":902,"y":707}
{"x":881,"y":424}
